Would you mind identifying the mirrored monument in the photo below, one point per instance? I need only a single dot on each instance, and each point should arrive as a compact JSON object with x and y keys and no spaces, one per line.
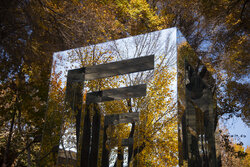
{"x":137,"y":101}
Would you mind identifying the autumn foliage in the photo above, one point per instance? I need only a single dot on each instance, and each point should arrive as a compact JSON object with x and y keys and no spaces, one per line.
{"x":31,"y":31}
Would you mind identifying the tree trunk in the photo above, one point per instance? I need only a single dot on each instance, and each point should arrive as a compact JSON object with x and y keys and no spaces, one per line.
{"x":105,"y":152}
{"x":86,"y":139}
{"x":6,"y":153}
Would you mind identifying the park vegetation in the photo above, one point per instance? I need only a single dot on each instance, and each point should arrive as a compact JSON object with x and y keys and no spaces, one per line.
{"x":32,"y":30}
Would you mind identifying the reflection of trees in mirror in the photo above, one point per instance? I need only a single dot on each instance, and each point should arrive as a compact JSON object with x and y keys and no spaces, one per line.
{"x":54,"y":116}
{"x":196,"y":84}
{"x":197,"y":112}
{"x":155,"y":136}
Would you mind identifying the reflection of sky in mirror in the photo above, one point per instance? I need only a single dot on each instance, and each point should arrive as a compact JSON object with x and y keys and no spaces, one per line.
{"x":159,"y":43}
{"x":162,"y":44}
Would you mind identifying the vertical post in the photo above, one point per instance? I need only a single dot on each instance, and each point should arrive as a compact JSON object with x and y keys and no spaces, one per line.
{"x":119,"y":161}
{"x":74,"y":96}
{"x":78,"y":110}
{"x":95,"y":136}
{"x":105,"y":152}
{"x":85,"y":145}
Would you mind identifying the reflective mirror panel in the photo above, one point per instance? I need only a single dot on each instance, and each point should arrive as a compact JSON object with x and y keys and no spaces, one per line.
{"x":167,"y":122}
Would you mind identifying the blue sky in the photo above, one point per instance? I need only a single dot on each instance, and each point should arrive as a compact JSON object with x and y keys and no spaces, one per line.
{"x":237,"y":127}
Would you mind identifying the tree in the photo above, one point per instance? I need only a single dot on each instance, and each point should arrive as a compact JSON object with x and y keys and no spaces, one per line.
{"x":231,"y":152}
{"x":30,"y":32}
